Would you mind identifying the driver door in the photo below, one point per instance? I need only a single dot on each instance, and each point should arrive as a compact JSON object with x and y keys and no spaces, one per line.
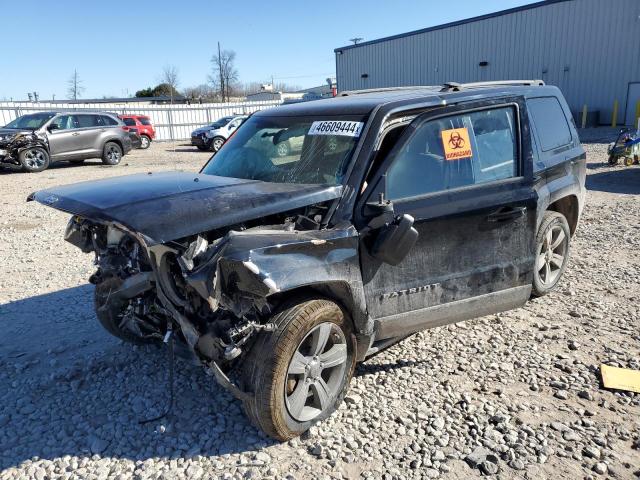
{"x":64,"y":140}
{"x":461,"y":175}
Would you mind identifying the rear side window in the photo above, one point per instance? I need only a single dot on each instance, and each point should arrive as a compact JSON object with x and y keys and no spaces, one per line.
{"x":460,"y":150}
{"x":108,"y":121}
{"x":144,"y":120}
{"x":129,"y":121}
{"x":87,"y":121}
{"x":550,"y":122}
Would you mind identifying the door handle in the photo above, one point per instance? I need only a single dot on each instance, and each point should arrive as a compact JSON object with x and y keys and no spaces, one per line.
{"x":509,"y":213}
{"x":75,"y":134}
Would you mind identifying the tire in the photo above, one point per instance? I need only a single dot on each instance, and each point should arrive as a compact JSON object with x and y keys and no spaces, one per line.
{"x":111,"y":153}
{"x":288,"y":397}
{"x":550,"y":263}
{"x":628,"y":161}
{"x":77,"y":162}
{"x":216,"y":143}
{"x":34,"y":159}
{"x":110,"y":314}
{"x":145,"y":142}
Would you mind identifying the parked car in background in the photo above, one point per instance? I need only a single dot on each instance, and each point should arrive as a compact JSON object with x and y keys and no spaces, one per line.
{"x":145,"y":128}
{"x":405,"y":209}
{"x":36,"y":140}
{"x":213,"y":136}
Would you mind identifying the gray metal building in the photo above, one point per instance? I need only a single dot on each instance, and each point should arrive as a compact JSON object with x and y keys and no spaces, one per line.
{"x":588,"y":48}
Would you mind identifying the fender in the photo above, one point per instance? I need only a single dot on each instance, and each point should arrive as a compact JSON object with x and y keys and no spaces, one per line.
{"x":257,"y":266}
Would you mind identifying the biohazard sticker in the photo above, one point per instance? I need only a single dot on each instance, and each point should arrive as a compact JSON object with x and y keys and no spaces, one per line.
{"x":456,"y":143}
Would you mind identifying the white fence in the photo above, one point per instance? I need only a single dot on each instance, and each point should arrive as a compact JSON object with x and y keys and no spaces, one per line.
{"x":172,"y":122}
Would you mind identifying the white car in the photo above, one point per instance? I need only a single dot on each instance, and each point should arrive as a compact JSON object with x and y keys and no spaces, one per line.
{"x":213,"y":136}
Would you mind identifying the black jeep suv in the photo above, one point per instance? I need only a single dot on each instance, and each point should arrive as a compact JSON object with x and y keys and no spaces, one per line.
{"x":404,"y":209}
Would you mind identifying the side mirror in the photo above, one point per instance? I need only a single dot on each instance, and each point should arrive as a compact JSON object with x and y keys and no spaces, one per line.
{"x":395,"y":240}
{"x":53,"y":126}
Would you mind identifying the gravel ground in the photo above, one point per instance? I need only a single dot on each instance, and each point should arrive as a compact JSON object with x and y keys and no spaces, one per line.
{"x":516,"y":395}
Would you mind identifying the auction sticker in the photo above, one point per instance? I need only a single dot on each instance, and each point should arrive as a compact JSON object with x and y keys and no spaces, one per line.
{"x":336,"y":127}
{"x":456,"y":143}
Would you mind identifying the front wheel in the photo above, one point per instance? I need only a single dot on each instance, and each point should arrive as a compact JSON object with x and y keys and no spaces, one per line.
{"x":111,"y":154}
{"x":299,"y":373}
{"x":145,"y":142}
{"x":34,"y":159}
{"x":216,"y":143}
{"x":552,"y":252}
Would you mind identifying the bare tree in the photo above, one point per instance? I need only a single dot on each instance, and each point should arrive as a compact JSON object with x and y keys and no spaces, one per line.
{"x":170,"y":77}
{"x":74,"y":86}
{"x":225,"y":75}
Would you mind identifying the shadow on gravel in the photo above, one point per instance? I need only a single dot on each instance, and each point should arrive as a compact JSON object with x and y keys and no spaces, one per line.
{"x":68,"y":388}
{"x":624,"y":180}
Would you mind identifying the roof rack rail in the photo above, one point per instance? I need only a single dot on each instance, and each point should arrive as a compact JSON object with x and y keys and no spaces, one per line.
{"x":346,"y":93}
{"x":456,"y":87}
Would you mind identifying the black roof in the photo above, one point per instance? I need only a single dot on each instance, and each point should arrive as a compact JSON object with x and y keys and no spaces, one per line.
{"x":364,"y":101}
{"x":455,"y":24}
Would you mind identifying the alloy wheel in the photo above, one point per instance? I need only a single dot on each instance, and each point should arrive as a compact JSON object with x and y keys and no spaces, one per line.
{"x":315,"y":372}
{"x":35,"y":158}
{"x":217,"y":143}
{"x":552,"y":255}
{"x":113,"y":154}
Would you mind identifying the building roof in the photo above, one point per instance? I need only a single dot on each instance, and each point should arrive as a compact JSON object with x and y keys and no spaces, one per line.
{"x":454,"y":24}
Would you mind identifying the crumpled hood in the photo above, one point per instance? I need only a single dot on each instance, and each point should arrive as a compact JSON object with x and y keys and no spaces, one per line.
{"x":10,"y":133}
{"x":168,"y":206}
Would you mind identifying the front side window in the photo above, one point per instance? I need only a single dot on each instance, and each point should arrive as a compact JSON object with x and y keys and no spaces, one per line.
{"x":65,"y":122}
{"x":314,"y":150}
{"x":460,"y":150}
{"x":129,"y":122}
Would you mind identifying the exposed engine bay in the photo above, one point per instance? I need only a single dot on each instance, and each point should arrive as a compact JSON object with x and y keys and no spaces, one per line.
{"x":212,"y":303}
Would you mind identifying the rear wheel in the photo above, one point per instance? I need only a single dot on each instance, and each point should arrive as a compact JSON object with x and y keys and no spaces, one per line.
{"x":299,"y":373}
{"x":552,"y":252}
{"x":111,"y":154}
{"x":145,"y":142}
{"x":34,"y":159}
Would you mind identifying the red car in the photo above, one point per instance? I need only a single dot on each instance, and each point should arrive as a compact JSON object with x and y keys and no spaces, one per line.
{"x":144,"y":126}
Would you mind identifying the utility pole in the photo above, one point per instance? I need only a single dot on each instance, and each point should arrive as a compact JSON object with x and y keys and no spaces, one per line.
{"x":221,"y":74}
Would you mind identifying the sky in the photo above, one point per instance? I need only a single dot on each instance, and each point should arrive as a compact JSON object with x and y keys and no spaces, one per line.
{"x":121,"y":47}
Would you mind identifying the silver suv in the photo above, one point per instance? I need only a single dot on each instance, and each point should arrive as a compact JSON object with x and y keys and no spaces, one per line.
{"x":36,"y":140}
{"x":211,"y":137}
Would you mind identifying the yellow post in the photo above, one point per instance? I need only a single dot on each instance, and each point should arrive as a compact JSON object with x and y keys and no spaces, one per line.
{"x":614,"y":116}
{"x":584,"y":115}
{"x":635,"y":124}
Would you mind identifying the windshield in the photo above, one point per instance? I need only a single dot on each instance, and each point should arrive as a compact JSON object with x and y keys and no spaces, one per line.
{"x":289,"y":149}
{"x":32,"y":121}
{"x":222,"y":122}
